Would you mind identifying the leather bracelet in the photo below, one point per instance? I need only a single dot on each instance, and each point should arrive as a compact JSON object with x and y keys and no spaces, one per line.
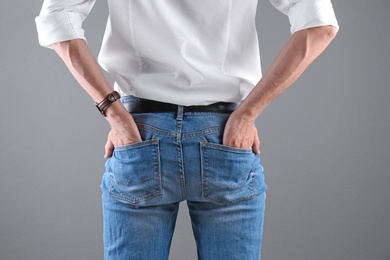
{"x":105,"y":103}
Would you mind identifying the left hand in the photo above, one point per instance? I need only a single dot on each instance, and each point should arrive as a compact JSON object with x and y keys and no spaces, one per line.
{"x":241,"y":133}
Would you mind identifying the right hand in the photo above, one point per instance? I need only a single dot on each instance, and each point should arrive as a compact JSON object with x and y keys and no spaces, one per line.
{"x":241,"y":133}
{"x":123,"y":131}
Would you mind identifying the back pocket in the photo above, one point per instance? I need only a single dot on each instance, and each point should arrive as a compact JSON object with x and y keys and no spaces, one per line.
{"x":227,"y":175}
{"x":135,"y":174}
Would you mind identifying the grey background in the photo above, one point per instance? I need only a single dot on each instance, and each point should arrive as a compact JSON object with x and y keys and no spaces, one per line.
{"x":325,"y":145}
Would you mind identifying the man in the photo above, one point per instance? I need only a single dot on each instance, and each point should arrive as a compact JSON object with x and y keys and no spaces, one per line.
{"x":188,"y":74}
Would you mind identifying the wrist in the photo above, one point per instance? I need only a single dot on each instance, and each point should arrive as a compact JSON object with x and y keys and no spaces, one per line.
{"x":116,"y":113}
{"x":246,"y":113}
{"x":103,"y":105}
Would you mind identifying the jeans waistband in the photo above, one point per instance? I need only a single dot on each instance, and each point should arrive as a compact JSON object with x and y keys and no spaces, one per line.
{"x":151,"y":106}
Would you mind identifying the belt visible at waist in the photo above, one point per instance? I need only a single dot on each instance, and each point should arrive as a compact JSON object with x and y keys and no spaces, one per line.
{"x":151,"y":106}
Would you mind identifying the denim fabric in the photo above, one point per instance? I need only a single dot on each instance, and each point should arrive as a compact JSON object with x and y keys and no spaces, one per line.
{"x":182,"y":158}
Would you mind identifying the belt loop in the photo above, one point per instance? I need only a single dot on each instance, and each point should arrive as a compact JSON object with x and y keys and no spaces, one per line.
{"x":180,"y":111}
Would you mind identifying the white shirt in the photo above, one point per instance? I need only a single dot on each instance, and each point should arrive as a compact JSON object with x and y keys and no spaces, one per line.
{"x":187,"y":52}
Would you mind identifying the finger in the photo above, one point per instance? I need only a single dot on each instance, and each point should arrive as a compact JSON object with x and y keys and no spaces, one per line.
{"x":109,"y":148}
{"x":256,"y":145}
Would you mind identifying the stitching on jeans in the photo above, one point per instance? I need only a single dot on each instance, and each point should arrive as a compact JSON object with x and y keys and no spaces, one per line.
{"x":208,"y":131}
{"x":155,"y":130}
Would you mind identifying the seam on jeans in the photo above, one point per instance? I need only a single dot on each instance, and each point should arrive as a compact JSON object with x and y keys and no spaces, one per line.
{"x":203,"y":188}
{"x":125,"y":147}
{"x":208,"y":131}
{"x":226,"y":148}
{"x":136,"y":200}
{"x":155,"y":130}
{"x":180,"y":163}
{"x":207,"y":113}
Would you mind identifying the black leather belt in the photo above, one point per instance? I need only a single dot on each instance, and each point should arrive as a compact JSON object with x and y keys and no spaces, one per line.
{"x":150,"y":106}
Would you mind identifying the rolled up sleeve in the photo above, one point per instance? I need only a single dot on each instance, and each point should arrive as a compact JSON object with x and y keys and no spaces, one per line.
{"x":62,"y":20}
{"x":305,"y":14}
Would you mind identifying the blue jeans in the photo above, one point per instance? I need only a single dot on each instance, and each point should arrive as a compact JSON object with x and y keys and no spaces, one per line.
{"x":182,"y":158}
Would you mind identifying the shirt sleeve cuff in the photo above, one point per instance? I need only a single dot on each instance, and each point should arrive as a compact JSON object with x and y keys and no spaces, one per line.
{"x":58,"y":27}
{"x":311,"y":13}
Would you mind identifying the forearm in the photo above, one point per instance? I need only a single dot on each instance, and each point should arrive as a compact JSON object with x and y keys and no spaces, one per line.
{"x":84,"y":67}
{"x":302,"y":48}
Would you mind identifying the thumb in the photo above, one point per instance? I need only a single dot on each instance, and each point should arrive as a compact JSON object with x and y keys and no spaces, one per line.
{"x":109,"y":148}
{"x":256,"y":145}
